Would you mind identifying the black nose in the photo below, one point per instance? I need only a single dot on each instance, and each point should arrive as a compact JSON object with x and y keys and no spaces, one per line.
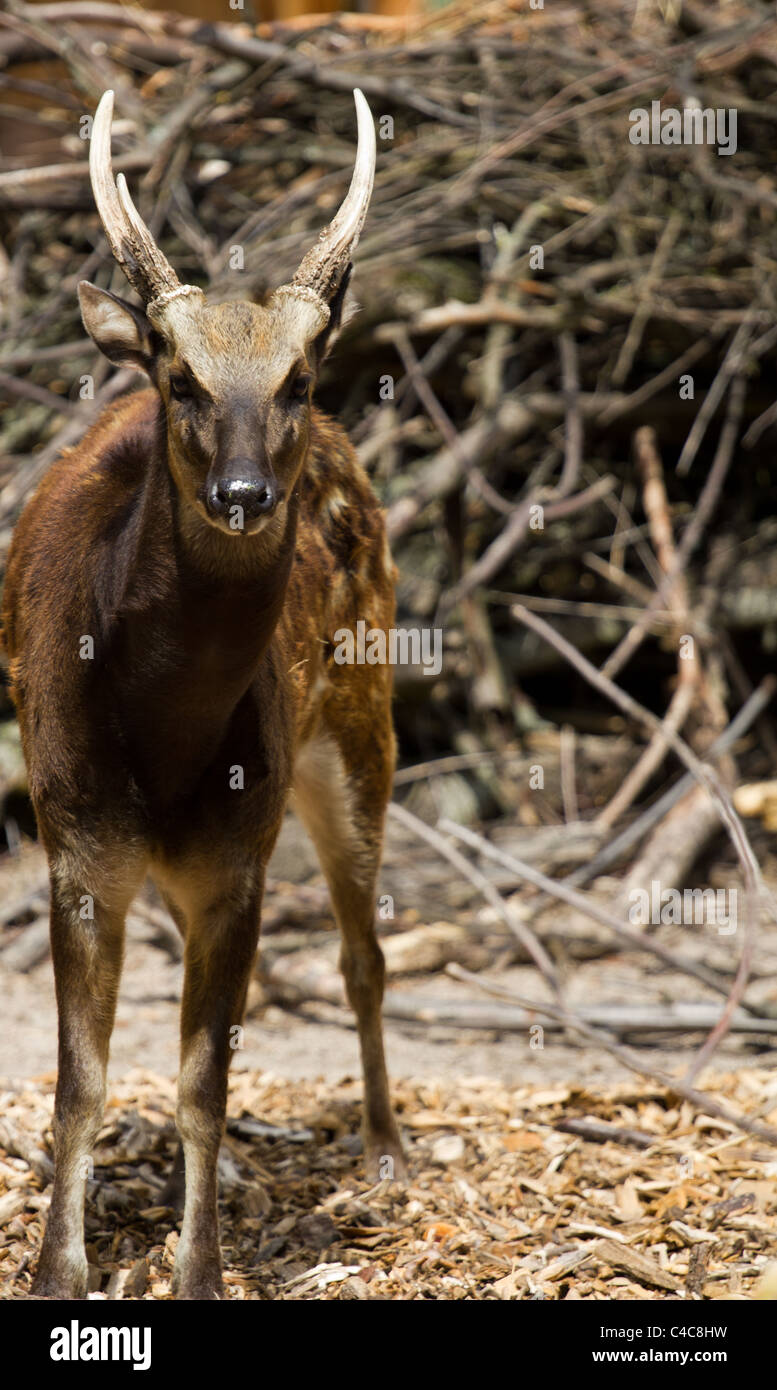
{"x":240,"y":487}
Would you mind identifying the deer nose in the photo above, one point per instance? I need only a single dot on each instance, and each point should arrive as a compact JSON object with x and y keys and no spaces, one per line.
{"x":241,"y":487}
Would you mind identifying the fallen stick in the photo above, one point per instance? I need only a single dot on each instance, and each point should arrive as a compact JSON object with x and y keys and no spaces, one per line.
{"x":443,"y":423}
{"x":672,"y":849}
{"x":511,"y":919}
{"x":311,"y":977}
{"x":733,"y":362}
{"x":599,"y":1132}
{"x":630,"y":935}
{"x":708,"y":779}
{"x":689,"y":669}
{"x":650,"y":759}
{"x":707,"y":501}
{"x":700,"y":770}
{"x":746,"y":717}
{"x":510,"y":537}
{"x":698,"y":1099}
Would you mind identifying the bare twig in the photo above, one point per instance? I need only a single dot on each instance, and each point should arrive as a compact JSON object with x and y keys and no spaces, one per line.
{"x":511,"y":919}
{"x":700,"y":1100}
{"x":707,"y":778}
{"x":622,"y":843}
{"x":560,"y":890}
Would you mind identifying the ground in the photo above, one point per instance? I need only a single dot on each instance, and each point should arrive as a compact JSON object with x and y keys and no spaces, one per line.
{"x":500,"y":1202}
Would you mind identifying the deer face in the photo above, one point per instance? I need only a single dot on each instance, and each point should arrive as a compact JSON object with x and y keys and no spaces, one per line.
{"x":235,"y":379}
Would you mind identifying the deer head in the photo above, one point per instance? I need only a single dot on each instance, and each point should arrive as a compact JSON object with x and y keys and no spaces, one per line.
{"x":235,"y":378}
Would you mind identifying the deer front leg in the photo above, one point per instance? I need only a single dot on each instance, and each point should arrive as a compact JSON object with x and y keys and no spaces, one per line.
{"x":87,"y":940}
{"x":220,"y":950}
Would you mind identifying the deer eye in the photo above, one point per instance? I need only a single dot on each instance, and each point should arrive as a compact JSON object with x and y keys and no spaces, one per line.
{"x":300,"y":386}
{"x":181,"y":388}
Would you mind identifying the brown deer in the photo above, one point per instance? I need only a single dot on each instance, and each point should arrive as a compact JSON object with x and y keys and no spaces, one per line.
{"x":172,"y":592}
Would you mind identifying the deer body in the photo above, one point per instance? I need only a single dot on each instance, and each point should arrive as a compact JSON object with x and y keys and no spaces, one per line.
{"x":174,"y":680}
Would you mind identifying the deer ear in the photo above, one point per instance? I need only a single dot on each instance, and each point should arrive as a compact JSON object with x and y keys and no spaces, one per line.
{"x":121,"y":332}
{"x":342,"y":308}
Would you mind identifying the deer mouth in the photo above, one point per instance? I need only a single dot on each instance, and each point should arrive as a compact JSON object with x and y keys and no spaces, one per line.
{"x":237,"y":516}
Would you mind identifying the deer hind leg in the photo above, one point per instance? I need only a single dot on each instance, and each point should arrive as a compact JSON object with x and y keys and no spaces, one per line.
{"x":341,"y":797}
{"x":222,"y":931}
{"x":89,"y":901}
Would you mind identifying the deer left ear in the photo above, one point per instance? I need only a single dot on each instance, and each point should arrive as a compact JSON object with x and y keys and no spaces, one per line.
{"x":340,"y":311}
{"x":121,"y":332}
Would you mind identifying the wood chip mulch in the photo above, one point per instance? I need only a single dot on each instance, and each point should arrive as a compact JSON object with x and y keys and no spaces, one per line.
{"x":647,"y":1201}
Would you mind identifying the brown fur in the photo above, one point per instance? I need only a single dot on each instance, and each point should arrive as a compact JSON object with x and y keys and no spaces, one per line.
{"x":210,"y":652}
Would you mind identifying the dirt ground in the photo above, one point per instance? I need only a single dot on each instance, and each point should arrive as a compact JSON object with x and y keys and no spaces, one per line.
{"x":500,"y":1204}
{"x":318,"y":1041}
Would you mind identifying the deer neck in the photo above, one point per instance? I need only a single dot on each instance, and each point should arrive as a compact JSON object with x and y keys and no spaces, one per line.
{"x":195,"y":634}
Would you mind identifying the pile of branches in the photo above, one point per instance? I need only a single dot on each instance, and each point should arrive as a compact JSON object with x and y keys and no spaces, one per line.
{"x":534,"y":290}
{"x":507,"y":130}
{"x":503,"y":130}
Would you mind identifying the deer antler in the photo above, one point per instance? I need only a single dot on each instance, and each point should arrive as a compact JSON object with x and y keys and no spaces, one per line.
{"x":133,"y":247}
{"x":150,"y":273}
{"x":322,"y":269}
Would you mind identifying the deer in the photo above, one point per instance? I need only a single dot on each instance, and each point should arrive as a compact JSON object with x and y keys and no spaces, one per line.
{"x":173,"y":589}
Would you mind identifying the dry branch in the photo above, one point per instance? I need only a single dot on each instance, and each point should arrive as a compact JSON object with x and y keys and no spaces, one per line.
{"x":707,"y":1104}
